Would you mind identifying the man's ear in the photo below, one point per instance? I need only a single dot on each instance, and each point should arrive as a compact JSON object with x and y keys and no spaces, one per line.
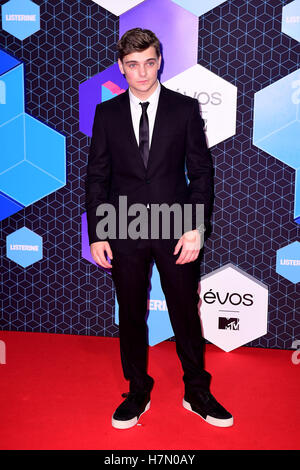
{"x":121,"y":67}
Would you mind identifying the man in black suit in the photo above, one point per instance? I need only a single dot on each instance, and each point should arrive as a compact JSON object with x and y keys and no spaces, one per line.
{"x":142,"y":142}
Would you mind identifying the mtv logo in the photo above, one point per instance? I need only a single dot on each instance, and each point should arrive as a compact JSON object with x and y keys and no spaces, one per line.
{"x":228,"y":323}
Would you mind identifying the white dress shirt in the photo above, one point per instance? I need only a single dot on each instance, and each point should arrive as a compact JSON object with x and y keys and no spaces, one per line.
{"x":136,"y":111}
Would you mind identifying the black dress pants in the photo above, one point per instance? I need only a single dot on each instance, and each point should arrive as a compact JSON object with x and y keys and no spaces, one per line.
{"x":179,"y":283}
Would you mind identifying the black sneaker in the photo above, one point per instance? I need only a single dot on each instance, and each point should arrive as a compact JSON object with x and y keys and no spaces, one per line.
{"x":206,"y":406}
{"x":128,"y":413}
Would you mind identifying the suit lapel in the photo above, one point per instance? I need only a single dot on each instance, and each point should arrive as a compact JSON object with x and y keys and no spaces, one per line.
{"x":161,"y":119}
{"x":126,"y":123}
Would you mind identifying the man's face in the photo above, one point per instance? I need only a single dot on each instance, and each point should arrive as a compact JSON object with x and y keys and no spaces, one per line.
{"x":140,"y":70}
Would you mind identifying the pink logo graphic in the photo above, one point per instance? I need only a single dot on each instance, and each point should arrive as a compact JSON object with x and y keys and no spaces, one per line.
{"x":109,"y":90}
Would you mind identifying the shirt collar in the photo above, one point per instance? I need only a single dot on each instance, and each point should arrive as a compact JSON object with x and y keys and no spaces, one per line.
{"x":152,"y":99}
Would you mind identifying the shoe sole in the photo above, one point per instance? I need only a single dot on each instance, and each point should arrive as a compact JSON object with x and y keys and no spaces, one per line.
{"x":130,"y":422}
{"x":221,"y":423}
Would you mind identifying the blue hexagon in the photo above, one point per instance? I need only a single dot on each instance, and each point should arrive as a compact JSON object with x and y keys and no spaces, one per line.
{"x":21,"y":18}
{"x":33,"y":162}
{"x":276,"y":119}
{"x":276,"y":125}
{"x":297,"y":197}
{"x":291,"y":20}
{"x":12,"y":89}
{"x":24,"y":247}
{"x":8,"y":206}
{"x":7,"y":62}
{"x":197,"y":7}
{"x":288,"y":262}
{"x":158,"y":321}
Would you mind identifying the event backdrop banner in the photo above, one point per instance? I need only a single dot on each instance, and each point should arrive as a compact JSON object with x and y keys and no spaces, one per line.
{"x":240,"y":60}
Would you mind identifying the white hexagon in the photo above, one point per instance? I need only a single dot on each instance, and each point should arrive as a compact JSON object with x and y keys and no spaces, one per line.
{"x":217,"y":100}
{"x":234,"y":307}
{"x":117,"y":7}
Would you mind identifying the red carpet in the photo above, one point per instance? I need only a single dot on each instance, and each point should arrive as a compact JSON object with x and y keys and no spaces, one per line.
{"x":59,"y":392}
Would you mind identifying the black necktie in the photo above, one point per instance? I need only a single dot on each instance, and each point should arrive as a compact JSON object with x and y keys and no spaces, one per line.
{"x":144,"y":134}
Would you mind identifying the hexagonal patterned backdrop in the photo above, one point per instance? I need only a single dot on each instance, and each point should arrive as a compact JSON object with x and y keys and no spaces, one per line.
{"x":243,"y":43}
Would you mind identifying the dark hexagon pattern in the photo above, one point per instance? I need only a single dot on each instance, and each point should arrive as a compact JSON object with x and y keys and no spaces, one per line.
{"x":253,"y":212}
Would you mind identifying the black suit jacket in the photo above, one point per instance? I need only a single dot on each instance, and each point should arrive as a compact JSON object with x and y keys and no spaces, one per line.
{"x":115,"y":166}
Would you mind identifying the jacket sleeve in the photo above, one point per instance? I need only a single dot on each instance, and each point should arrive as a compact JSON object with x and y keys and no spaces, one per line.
{"x":98,"y":174}
{"x":199,"y":167}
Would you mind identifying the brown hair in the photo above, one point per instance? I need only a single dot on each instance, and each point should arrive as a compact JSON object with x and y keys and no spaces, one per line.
{"x":137,"y":40}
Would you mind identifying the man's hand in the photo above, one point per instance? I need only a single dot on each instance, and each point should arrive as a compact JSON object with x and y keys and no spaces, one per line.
{"x":98,"y":250}
{"x":191,"y":243}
